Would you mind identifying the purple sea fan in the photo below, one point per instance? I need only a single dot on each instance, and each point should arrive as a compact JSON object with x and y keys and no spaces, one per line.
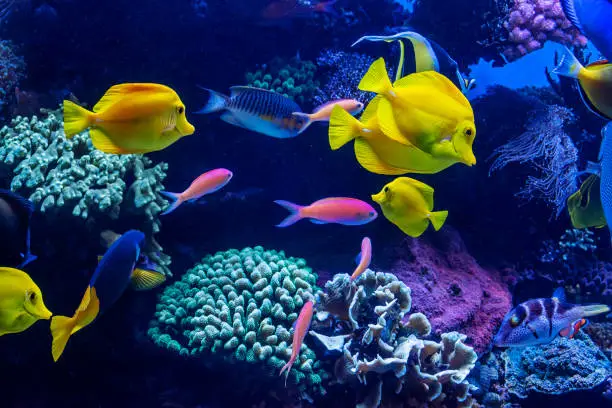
{"x":550,"y":151}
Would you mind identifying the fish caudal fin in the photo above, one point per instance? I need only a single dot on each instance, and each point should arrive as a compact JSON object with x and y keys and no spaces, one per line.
{"x":376,"y":79}
{"x":143,"y":279}
{"x":175,"y":201}
{"x":438,"y":218}
{"x":593,"y":310}
{"x":76,"y":118}
{"x":343,"y":128}
{"x":216,"y":101}
{"x":292,"y":218}
{"x":569,"y":65}
{"x":288,"y":368}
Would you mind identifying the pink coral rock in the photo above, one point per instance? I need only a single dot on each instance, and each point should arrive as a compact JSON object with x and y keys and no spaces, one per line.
{"x":530,"y":23}
{"x":451,"y":288}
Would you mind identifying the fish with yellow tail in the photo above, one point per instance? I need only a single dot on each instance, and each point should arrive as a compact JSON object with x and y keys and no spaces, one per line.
{"x":302,"y":324}
{"x":115,"y":271}
{"x":131,"y":118}
{"x":408,"y":204}
{"x":374,"y":151}
{"x":539,"y":321}
{"x":584,"y":206}
{"x":424,"y":109}
{"x":21,"y":301}
{"x":363,"y":259}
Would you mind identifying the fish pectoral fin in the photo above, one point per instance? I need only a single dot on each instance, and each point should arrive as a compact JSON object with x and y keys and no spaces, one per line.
{"x":566,"y":332}
{"x":369,"y":160}
{"x":102,"y":142}
{"x":143,"y":279}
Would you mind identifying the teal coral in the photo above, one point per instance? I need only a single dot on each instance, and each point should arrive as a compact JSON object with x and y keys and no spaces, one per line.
{"x":237,"y":307}
{"x":70,"y":176}
{"x":295,"y":79}
{"x":561,"y":366}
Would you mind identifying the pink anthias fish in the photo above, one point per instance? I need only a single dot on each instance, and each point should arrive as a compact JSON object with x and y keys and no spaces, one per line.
{"x":364,"y":258}
{"x":206,"y":183}
{"x":323,"y":112}
{"x":301,"y":328}
{"x":334,"y":210}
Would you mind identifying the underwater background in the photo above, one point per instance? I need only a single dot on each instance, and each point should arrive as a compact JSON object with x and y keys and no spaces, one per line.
{"x":442,"y":296}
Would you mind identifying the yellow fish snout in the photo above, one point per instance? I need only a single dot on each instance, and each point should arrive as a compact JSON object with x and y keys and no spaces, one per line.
{"x":378,"y":198}
{"x":186,"y":129}
{"x":35,"y":306}
{"x":469,"y":159}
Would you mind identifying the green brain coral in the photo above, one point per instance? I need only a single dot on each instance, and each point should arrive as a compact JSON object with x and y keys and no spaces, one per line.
{"x":238,"y":307}
{"x":294,"y":79}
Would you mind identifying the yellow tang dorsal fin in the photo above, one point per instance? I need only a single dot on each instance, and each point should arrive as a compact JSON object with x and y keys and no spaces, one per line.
{"x":437,"y":81}
{"x":116,"y":92}
{"x":143,"y":279}
{"x":371,"y":111}
{"x":424,"y":189}
{"x":370,"y":161}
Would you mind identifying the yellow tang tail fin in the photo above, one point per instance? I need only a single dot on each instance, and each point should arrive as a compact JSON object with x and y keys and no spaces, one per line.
{"x":376,"y":79}
{"x":76,"y":118}
{"x":438,"y":218}
{"x":63,"y":327}
{"x":343,"y":128}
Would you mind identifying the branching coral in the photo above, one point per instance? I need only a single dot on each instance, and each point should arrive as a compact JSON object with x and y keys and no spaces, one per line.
{"x":71,"y":178}
{"x":547,"y":148}
{"x":383,"y":351}
{"x":12,"y":68}
{"x":294,"y":79}
{"x":237,"y":307}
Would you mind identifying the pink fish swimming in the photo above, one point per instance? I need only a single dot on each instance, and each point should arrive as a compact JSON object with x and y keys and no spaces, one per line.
{"x":323,"y":112}
{"x":333,"y":210}
{"x":301,"y":328}
{"x":364,"y":258}
{"x":206,"y":183}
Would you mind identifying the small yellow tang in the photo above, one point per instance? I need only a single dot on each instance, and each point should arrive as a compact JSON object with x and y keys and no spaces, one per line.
{"x":131,"y":118}
{"x":584,"y":206}
{"x":374,"y":150}
{"x":424,"y":109}
{"x":21,"y":302}
{"x":408,"y":203}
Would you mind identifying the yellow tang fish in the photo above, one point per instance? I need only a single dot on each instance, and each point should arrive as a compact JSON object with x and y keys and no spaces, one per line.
{"x":424,"y":109}
{"x":584,"y":206}
{"x":408,"y":203}
{"x":21,"y":302}
{"x":595,"y":82}
{"x":131,"y":118}
{"x":376,"y":152}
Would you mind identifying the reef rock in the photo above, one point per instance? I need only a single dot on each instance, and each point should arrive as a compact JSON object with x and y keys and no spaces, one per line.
{"x":451,"y":288}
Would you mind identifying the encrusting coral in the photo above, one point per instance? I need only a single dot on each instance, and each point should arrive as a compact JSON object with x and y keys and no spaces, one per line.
{"x":238,"y":307}
{"x":70,"y":177}
{"x":384,"y":356}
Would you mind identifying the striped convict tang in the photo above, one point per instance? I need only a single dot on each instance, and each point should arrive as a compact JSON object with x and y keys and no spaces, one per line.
{"x":539,"y":321}
{"x":259,"y":110}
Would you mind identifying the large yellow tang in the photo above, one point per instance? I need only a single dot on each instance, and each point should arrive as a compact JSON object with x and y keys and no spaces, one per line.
{"x":424,"y":109}
{"x":131,"y":118}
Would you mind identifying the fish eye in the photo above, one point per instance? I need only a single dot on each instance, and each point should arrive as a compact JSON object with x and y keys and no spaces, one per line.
{"x":180,"y":109}
{"x":386,"y":189}
{"x":469,"y":132}
{"x":514,"y":321}
{"x":371,"y":213}
{"x":32,"y":296}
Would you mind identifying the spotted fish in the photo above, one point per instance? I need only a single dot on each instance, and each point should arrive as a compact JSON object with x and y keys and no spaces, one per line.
{"x":539,"y":321}
{"x":259,"y":110}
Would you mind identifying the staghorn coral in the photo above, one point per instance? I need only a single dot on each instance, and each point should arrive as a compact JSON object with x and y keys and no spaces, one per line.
{"x":12,"y":69}
{"x":547,"y":148}
{"x":564,"y":365}
{"x":530,"y":23}
{"x":385,"y":358}
{"x":235,"y":307}
{"x":71,"y":178}
{"x":294,"y":79}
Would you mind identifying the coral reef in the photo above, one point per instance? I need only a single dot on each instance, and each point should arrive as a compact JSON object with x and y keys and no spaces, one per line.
{"x":531,"y":23}
{"x":561,"y":366}
{"x":343,"y":71}
{"x":236,"y":307}
{"x":12,"y":69}
{"x":384,"y":356}
{"x":572,"y":244}
{"x":601,"y":334}
{"x":451,"y":288}
{"x":546,"y":147}
{"x":71,"y":178}
{"x":294,"y":79}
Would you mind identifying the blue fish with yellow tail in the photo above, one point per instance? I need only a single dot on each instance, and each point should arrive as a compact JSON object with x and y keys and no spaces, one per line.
{"x":116,"y":269}
{"x":259,"y":110}
{"x":603,"y":168}
{"x":594,"y":19}
{"x":539,"y":321}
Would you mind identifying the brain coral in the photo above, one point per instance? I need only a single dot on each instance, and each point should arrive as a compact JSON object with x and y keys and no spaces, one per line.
{"x":237,"y":308}
{"x":71,"y":178}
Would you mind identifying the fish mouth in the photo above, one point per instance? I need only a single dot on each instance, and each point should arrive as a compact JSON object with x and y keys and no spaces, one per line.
{"x":377,"y":198}
{"x":40,"y":311}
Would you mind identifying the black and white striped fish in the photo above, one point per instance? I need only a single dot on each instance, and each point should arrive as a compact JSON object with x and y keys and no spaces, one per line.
{"x":539,"y":321}
{"x":258,"y":110}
